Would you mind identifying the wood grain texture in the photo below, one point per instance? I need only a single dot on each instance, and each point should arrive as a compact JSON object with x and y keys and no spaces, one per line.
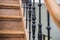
{"x":11,"y":32}
{"x":10,"y":12}
{"x":11,"y":20}
{"x":10,"y":6}
{"x":11,"y":38}
{"x":11,"y":25}
{"x":10,"y":17}
{"x":10,"y":1}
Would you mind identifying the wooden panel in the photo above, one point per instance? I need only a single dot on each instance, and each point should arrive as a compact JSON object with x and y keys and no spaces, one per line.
{"x":11,"y":25}
{"x":10,"y":1}
{"x":10,"y":17}
{"x":10,"y":12}
{"x":9,"y":6}
{"x":11,"y":35}
{"x":11,"y":38}
{"x":11,"y":32}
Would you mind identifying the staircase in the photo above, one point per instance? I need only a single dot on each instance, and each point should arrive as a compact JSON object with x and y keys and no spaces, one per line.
{"x":11,"y":20}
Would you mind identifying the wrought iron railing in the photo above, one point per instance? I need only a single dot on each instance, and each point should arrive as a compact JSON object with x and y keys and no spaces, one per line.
{"x":30,"y":12}
{"x":33,"y":20}
{"x":39,"y":25}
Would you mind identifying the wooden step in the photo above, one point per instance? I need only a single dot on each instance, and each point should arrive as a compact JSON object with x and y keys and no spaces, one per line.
{"x":11,"y":12}
{"x":10,"y":17}
{"x":9,"y":6}
{"x":12,"y":39}
{"x":10,"y":1}
{"x":11,"y":33}
{"x":11,"y":29}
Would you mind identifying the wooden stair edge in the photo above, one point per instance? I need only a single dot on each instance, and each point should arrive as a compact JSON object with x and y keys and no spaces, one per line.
{"x":3,"y":5}
{"x":11,"y":32}
{"x":10,"y":17}
{"x":26,"y":32}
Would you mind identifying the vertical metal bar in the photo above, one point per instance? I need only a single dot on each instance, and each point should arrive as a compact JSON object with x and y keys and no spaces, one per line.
{"x":30,"y":19}
{"x":39,"y":11}
{"x":33,"y":21}
{"x":27,"y":12}
{"x":48,"y":18}
{"x":39,"y":25}
{"x":48,"y":26}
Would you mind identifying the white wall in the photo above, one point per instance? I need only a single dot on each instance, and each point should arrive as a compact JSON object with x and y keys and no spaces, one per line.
{"x":38,"y":1}
{"x":55,"y":32}
{"x":42,"y":1}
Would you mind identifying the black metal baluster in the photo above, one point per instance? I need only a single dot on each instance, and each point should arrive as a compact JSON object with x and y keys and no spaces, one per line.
{"x":48,"y":26}
{"x":27,"y":1}
{"x":30,"y":4}
{"x":33,"y":21}
{"x":39,"y":25}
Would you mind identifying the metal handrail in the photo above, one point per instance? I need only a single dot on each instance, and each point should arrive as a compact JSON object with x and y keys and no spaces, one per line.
{"x":30,"y":8}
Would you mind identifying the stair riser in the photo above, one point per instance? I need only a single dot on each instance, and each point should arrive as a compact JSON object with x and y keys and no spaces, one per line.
{"x":11,"y":38}
{"x":11,"y":35}
{"x":10,"y":1}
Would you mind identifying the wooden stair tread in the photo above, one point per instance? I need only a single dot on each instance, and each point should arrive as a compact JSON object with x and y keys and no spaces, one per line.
{"x":11,"y":32}
{"x":14,"y":29}
{"x":10,"y":17}
{"x":3,"y":5}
